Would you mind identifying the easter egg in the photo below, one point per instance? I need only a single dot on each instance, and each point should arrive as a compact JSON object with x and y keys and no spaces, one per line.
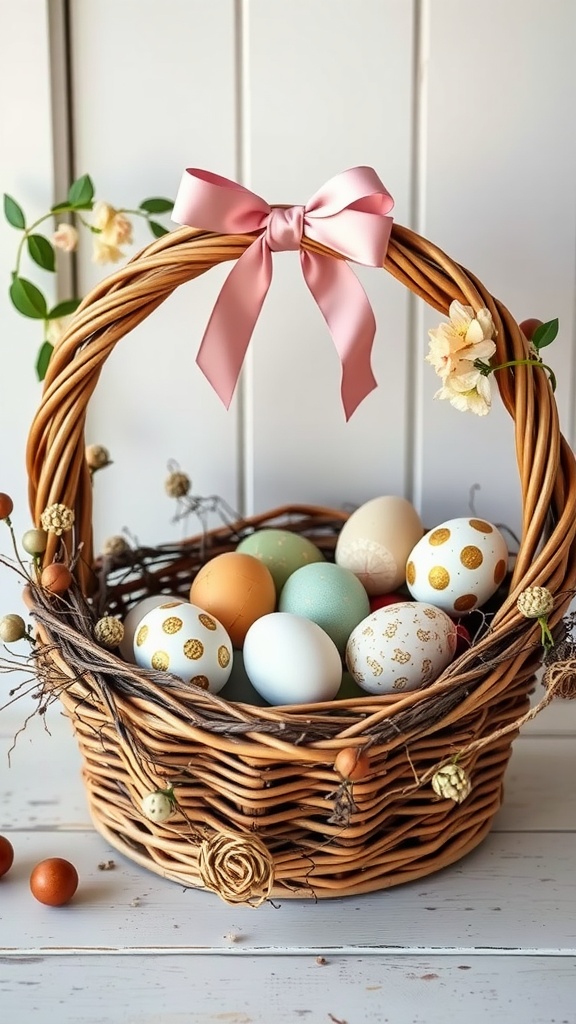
{"x":329,"y":595}
{"x":291,"y":660}
{"x":186,"y":641}
{"x":237,"y":588}
{"x":281,"y":551}
{"x":376,"y":540}
{"x":134,"y":616}
{"x":458,"y":565}
{"x":401,"y":647}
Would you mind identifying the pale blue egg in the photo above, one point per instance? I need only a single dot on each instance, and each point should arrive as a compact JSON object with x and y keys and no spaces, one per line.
{"x":329,"y":595}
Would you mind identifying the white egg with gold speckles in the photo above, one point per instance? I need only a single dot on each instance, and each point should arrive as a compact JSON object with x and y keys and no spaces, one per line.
{"x":458,"y":565}
{"x":401,"y":647}
{"x":184,"y":640}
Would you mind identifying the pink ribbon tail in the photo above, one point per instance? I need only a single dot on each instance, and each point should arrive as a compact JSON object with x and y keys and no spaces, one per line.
{"x":232,"y":321}
{"x":348,"y":313}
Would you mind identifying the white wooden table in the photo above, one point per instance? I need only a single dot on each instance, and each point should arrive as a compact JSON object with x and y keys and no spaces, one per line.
{"x":490,"y":939}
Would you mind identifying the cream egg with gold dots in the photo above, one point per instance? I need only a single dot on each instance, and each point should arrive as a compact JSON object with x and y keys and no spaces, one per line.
{"x":400,"y":647}
{"x":458,"y":565}
{"x":181,"y":639}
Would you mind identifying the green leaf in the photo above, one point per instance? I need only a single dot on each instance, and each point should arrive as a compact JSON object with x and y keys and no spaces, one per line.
{"x":42,"y":252}
{"x":14,"y":213}
{"x":65,"y":308}
{"x":81,"y":193}
{"x":44,"y":356}
{"x":157,"y":205}
{"x":59,"y":207}
{"x":157,"y":229}
{"x":28,"y":299}
{"x":545,"y":334}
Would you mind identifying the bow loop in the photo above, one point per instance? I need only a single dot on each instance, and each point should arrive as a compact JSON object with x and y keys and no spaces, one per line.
{"x":348,"y":215}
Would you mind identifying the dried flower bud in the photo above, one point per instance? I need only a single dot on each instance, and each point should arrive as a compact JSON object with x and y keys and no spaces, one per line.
{"x":57,"y":519}
{"x":6,"y":505}
{"x":34,"y":542}
{"x":535,"y":602}
{"x":97,"y":457}
{"x":12,"y":628}
{"x":177,"y":484}
{"x":158,"y":806}
{"x":109,"y":631}
{"x":115,"y":546}
{"x":452,"y":783}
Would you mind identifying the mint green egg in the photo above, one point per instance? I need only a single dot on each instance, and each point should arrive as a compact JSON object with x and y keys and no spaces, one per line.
{"x":330,"y":595}
{"x":281,"y":551}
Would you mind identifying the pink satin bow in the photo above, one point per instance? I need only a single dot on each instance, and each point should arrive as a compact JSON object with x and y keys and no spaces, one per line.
{"x":348,"y":215}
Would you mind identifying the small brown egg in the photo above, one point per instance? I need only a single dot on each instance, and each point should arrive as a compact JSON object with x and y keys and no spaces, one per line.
{"x":54,"y":881}
{"x":6,"y":855}
{"x":56,"y":578}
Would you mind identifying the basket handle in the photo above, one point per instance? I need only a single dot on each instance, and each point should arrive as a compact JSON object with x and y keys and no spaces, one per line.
{"x":56,"y":463}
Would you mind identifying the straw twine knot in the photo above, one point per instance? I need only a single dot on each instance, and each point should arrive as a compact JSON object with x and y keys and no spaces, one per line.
{"x":115,"y":546}
{"x":535,"y":601}
{"x":109,"y":631}
{"x":57,"y":519}
{"x":560,"y":679}
{"x":177,"y":484}
{"x":452,"y":782}
{"x":237,"y":867}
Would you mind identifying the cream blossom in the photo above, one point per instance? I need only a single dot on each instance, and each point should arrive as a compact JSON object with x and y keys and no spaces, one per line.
{"x":454,"y":346}
{"x":103,"y":252}
{"x":467,"y":392}
{"x":65,"y":237}
{"x":113,"y":227}
{"x":56,"y":328}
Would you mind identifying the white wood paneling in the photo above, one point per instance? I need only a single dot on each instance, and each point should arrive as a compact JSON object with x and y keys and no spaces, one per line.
{"x":154,"y":92}
{"x":26,"y":174}
{"x":497,"y":185}
{"x":328,"y":86}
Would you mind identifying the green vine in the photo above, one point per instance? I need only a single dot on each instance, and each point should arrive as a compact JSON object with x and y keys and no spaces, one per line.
{"x":111,"y":229}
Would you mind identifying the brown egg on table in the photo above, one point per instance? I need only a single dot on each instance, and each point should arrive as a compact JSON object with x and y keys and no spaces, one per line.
{"x":54,"y":881}
{"x":237,"y":589}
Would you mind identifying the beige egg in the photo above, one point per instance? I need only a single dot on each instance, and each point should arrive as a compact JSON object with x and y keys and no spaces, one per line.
{"x":375,"y":542}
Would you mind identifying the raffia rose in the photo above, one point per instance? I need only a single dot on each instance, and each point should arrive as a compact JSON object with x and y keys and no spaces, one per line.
{"x":238,"y":868}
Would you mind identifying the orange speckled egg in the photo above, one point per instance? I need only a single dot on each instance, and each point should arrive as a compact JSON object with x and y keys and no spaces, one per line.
{"x":237,"y":589}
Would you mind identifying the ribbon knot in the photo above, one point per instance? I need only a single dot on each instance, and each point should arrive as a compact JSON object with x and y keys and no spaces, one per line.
{"x":347,"y":215}
{"x":284,"y":228}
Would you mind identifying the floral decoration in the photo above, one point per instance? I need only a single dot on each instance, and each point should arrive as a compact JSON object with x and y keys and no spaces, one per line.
{"x":111,"y":229}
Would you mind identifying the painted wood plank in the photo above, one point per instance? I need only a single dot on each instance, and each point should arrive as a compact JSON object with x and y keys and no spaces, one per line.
{"x":327,"y":86}
{"x":516,"y":893}
{"x":41,"y":787}
{"x":497,"y":201}
{"x":247,"y":990}
{"x":165,"y":100}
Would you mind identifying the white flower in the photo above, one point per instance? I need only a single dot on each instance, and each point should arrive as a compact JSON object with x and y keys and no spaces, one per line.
{"x":65,"y":237}
{"x":466,"y":338}
{"x":104,"y":253}
{"x":56,"y":328}
{"x":469,"y":391}
{"x":113,"y":226}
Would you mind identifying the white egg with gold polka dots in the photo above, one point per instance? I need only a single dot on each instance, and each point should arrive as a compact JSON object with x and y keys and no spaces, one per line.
{"x":400,"y":647}
{"x":184,"y":640}
{"x":458,"y":565}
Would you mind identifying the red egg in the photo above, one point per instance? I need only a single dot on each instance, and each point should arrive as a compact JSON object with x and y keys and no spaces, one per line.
{"x":54,"y":881}
{"x":382,"y":600}
{"x":6,"y":855}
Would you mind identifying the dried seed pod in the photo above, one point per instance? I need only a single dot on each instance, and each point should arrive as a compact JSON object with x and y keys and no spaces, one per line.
{"x":12,"y":628}
{"x":57,"y":518}
{"x":452,"y":782}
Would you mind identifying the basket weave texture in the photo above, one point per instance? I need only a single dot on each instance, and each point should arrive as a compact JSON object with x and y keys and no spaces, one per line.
{"x":260,"y":811}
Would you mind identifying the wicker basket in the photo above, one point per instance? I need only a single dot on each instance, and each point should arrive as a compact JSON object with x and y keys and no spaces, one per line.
{"x":260,"y":810}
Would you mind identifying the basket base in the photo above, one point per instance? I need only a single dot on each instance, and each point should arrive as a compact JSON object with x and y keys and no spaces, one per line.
{"x":440,"y":854}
